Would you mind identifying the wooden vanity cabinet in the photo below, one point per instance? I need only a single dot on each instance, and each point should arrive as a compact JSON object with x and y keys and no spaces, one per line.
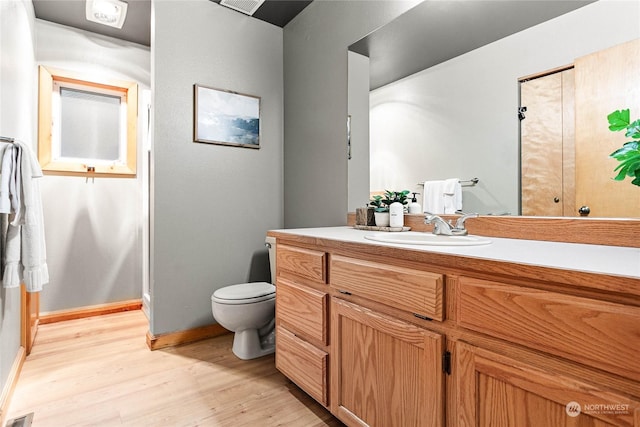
{"x":373,"y":338}
{"x":302,"y":326}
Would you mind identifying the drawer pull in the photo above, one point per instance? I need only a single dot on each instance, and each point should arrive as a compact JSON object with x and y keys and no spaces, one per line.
{"x":344,"y":292}
{"x":420,"y":316}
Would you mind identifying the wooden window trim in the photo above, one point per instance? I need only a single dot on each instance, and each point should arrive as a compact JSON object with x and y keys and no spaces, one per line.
{"x":47,"y":77}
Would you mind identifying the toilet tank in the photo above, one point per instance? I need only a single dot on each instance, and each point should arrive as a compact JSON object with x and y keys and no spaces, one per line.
{"x":270,"y":243}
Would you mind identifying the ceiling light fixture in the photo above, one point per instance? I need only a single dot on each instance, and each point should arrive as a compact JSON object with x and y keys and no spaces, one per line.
{"x":107,"y":12}
{"x":247,"y":7}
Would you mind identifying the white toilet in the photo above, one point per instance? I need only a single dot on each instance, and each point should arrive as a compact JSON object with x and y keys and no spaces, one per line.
{"x":248,"y":309}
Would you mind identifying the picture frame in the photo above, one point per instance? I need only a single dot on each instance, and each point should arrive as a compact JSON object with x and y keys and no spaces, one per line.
{"x":224,"y":117}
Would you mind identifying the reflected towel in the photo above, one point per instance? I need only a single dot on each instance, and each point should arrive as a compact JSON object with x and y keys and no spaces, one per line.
{"x":443,"y":196}
{"x":452,"y":196}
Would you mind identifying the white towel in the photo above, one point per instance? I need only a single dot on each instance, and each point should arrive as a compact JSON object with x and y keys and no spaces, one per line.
{"x":25,"y":251}
{"x":433,"y":197}
{"x":443,"y":196}
{"x":452,"y":196}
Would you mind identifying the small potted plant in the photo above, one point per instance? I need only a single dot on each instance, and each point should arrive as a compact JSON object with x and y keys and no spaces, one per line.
{"x":381,"y":204}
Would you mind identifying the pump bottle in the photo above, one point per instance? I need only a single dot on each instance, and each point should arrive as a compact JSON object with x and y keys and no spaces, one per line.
{"x":414,"y":206}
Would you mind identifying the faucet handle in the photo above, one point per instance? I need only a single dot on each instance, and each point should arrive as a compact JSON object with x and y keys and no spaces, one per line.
{"x":431,"y":217}
{"x":460,"y":222}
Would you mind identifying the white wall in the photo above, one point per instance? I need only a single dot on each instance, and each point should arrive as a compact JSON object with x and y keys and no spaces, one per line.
{"x":93,"y":229}
{"x":18,"y":86}
{"x":458,"y":119}
{"x":315,"y":72}
{"x":211,"y":205}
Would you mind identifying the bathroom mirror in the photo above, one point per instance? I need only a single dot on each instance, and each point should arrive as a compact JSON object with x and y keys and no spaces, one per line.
{"x":458,"y":117}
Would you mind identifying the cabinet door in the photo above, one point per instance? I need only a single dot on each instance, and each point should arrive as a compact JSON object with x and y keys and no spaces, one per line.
{"x":497,"y":391}
{"x":384,"y":372}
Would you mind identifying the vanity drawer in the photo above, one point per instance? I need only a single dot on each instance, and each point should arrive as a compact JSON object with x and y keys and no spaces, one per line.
{"x":303,"y":363}
{"x":303,"y":309}
{"x":416,"y":291}
{"x":306,"y":263}
{"x":595,"y":333}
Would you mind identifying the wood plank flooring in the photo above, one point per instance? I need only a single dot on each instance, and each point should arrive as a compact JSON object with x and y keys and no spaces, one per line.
{"x":98,"y":371}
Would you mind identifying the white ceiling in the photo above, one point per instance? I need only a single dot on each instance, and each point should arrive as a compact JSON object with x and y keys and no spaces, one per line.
{"x":136,"y":28}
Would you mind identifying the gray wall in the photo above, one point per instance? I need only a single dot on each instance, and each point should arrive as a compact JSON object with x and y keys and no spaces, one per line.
{"x":315,"y":75}
{"x":18,"y":87}
{"x":93,"y":229}
{"x":211,"y":205}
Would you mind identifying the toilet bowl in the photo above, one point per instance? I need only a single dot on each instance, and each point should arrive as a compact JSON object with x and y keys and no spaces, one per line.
{"x":248,"y":310}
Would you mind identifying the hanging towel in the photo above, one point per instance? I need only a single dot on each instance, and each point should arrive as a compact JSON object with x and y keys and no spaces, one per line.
{"x":452,"y":196}
{"x":443,"y":196}
{"x":433,"y":197}
{"x":24,"y":258}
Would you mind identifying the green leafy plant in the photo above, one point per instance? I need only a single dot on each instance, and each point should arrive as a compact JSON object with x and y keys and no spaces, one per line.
{"x":382,"y":203}
{"x":629,"y":154}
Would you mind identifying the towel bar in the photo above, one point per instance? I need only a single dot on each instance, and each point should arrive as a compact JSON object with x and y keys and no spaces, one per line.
{"x":465,"y":183}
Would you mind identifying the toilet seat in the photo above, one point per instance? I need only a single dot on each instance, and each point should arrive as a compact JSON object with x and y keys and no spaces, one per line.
{"x":244,"y":293}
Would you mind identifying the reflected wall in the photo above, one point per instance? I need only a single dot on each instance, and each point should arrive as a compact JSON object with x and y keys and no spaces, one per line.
{"x":459,"y":118}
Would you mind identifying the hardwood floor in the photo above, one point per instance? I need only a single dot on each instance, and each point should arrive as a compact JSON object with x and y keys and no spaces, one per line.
{"x":98,"y":371}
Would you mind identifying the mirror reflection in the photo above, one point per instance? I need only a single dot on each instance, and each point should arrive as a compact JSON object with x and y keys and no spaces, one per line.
{"x":459,"y":118}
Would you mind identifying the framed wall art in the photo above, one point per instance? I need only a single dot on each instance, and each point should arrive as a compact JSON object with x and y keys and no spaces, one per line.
{"x":226,"y":118}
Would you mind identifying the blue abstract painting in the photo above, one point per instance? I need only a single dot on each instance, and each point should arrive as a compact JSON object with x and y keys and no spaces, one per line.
{"x":227,"y":118}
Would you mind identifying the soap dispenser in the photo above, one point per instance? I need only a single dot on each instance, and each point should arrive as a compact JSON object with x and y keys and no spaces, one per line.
{"x":414,"y":206}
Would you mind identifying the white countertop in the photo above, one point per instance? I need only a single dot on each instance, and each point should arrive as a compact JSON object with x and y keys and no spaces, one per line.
{"x":613,"y":260}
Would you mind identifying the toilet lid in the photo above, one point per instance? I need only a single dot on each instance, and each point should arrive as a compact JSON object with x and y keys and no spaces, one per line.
{"x":244,"y":293}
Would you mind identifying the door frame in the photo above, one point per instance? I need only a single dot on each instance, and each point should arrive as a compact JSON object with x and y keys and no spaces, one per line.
{"x":29,"y":317}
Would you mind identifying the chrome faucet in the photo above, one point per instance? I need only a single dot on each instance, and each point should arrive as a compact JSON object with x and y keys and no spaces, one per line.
{"x":440,"y":226}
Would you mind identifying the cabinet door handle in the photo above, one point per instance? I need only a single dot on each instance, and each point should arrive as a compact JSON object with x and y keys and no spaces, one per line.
{"x":446,"y":362}
{"x":344,"y":292}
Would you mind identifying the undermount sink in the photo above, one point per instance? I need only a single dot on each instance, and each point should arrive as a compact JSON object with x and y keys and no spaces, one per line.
{"x":417,"y":238}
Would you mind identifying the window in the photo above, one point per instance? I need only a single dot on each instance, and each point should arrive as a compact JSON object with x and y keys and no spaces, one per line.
{"x":86,"y":128}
